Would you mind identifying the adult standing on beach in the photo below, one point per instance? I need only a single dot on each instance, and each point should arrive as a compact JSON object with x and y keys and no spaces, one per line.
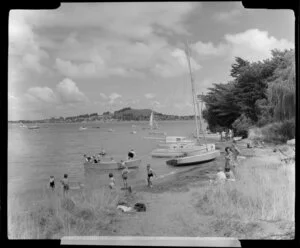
{"x":150,"y":174}
{"x":65,"y":184}
{"x":228,"y":163}
{"x":235,"y":153}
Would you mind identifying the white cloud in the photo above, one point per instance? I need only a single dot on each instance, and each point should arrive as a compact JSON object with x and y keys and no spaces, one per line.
{"x":43,"y":94}
{"x":149,"y":95}
{"x":103,"y":95}
{"x":174,"y":63}
{"x":113,"y":97}
{"x":227,"y":16}
{"x":252,"y":45}
{"x":69,"y":92}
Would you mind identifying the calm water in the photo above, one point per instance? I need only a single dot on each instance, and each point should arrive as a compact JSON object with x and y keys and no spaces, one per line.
{"x":55,"y":149}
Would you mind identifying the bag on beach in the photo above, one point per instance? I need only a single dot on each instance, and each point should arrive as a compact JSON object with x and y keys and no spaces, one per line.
{"x":140,"y":207}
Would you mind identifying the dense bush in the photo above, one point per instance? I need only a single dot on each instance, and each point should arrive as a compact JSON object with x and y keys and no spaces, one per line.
{"x":241,"y":126}
{"x":279,"y":131}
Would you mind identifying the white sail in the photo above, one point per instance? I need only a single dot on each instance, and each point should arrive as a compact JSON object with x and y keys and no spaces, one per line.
{"x":151,"y":120}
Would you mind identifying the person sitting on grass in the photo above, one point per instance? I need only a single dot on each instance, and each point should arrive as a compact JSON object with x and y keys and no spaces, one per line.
{"x":65,"y":184}
{"x":124,"y":174}
{"x":150,"y":174}
{"x":112,"y":181}
{"x":228,"y":163}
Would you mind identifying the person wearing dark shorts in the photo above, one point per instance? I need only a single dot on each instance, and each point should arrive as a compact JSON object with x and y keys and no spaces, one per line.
{"x":65,"y":183}
{"x":150,"y":174}
{"x":52,"y":183}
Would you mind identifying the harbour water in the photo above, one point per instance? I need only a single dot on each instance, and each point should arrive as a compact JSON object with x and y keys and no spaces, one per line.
{"x":56,"y":149}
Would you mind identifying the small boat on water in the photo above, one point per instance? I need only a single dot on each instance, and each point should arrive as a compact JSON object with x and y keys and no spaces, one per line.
{"x":33,"y":127}
{"x":112,"y":164}
{"x":22,"y":125}
{"x":133,"y":132}
{"x":82,"y":128}
{"x":158,"y":133}
{"x":110,"y":130}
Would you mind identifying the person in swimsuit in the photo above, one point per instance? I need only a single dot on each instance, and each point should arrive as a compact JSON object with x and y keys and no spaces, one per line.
{"x":65,"y":184}
{"x":111,"y":181}
{"x":125,"y":176}
{"x":150,"y":174}
{"x":52,"y":183}
{"x":88,"y":159}
{"x":228,"y":162}
{"x":131,"y":154}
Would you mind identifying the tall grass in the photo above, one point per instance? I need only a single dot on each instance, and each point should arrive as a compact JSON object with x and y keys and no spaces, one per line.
{"x":259,"y":193}
{"x":87,"y":213}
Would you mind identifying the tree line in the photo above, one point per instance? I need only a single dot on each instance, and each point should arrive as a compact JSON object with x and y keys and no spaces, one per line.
{"x":260,"y":93}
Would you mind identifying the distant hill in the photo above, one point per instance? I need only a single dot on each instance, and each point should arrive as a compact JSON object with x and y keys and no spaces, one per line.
{"x":125,"y":114}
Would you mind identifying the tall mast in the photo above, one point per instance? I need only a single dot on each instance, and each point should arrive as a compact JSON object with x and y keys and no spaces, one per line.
{"x":200,"y":121}
{"x":193,"y":87}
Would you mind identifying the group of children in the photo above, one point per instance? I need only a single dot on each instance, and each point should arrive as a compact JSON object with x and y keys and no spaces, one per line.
{"x":124,"y":174}
{"x":64,"y":182}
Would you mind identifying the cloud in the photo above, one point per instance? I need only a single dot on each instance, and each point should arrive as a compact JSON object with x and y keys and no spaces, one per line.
{"x":113,"y":97}
{"x":174,"y":63}
{"x":69,"y":92}
{"x":43,"y":94}
{"x":252,"y":45}
{"x":228,"y":17}
{"x":149,"y":95}
{"x":103,"y":95}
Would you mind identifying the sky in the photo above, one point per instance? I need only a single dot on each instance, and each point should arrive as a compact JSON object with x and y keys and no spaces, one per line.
{"x":95,"y":57}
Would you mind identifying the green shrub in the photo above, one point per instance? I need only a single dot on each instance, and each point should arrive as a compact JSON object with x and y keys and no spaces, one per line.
{"x":279,"y":132}
{"x":241,"y":126}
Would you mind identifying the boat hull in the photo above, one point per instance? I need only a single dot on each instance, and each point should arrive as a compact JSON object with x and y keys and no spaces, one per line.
{"x":113,"y":165}
{"x":194,"y":159}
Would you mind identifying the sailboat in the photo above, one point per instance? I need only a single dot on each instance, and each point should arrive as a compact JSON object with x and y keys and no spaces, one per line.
{"x":22,"y":125}
{"x":83,"y":127}
{"x":196,"y":156}
{"x":154,"y":126}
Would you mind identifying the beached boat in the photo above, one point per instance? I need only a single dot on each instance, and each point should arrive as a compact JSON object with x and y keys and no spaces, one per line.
{"x":112,"y":164}
{"x":208,"y":151}
{"x":177,"y":151}
{"x":201,"y":157}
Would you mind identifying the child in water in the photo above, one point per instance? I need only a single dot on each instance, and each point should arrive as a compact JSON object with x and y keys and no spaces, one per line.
{"x":150,"y":174}
{"x":65,"y":183}
{"x":52,"y":183}
{"x":112,"y":181}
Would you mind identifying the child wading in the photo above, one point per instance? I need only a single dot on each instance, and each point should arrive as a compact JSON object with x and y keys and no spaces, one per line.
{"x":65,"y":183}
{"x":125,"y":176}
{"x":111,"y":181}
{"x":150,"y":174}
{"x":52,"y":183}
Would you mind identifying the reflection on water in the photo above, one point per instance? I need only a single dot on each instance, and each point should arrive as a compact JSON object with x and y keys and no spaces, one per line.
{"x":34,"y":155}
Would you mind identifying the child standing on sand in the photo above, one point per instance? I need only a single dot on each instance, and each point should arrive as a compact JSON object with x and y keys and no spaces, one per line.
{"x":65,"y":184}
{"x":125,"y":176}
{"x":150,"y":174}
{"x":52,"y":183}
{"x":111,"y":181}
